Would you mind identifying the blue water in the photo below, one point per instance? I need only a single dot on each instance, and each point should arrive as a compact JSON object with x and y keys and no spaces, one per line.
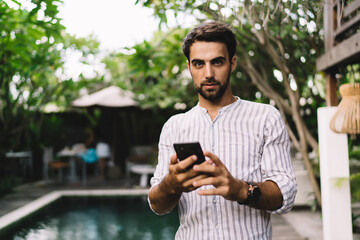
{"x":95,"y":218}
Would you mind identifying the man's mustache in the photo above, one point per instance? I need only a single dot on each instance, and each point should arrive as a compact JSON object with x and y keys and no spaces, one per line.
{"x":210,"y":81}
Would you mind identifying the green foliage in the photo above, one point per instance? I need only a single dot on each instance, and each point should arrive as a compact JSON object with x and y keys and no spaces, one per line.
{"x":32,"y":49}
{"x":28,"y":59}
{"x":351,"y":73}
{"x":354,"y":157}
{"x":155,"y":71}
{"x":355,"y":187}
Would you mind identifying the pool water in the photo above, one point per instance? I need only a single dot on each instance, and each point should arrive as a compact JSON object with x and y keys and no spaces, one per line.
{"x":95,"y":218}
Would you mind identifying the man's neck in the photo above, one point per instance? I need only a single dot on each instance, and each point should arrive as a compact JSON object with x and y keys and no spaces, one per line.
{"x":213,"y":106}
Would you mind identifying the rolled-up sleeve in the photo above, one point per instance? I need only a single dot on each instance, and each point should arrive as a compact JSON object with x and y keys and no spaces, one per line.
{"x":165,"y":151}
{"x":276,"y":161}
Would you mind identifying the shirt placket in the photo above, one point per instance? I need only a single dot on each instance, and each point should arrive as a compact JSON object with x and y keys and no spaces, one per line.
{"x":214,"y":137}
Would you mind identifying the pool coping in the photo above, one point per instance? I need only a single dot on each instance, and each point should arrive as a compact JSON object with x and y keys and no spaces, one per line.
{"x":48,"y":198}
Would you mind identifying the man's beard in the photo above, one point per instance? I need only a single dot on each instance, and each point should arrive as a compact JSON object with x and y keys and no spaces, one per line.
{"x":213,"y":95}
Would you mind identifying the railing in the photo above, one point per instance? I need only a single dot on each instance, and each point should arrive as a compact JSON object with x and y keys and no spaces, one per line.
{"x":341,"y":40}
{"x":346,"y":19}
{"x":342,"y":35}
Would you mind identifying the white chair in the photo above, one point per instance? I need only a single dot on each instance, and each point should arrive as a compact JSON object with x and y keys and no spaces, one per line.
{"x":104,"y":154}
{"x":140,"y":154}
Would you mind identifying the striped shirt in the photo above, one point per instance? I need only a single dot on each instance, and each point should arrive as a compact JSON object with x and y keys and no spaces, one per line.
{"x":252,"y":141}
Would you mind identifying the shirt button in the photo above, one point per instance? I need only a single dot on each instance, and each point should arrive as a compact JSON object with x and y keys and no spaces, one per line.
{"x":214,"y":201}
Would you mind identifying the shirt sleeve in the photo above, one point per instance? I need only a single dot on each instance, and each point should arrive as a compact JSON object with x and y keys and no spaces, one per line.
{"x":165,"y":151}
{"x":276,"y":162}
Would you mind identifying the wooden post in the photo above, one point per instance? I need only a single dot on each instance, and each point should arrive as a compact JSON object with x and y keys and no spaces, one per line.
{"x":331,"y":90}
{"x":329,"y":24}
{"x":329,"y":18}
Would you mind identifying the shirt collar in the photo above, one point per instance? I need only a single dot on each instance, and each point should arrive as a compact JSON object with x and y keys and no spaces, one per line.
{"x":223,"y":109}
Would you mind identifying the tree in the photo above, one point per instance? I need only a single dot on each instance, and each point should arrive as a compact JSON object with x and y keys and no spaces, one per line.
{"x":28,"y":59}
{"x":33,"y":44}
{"x":278,"y":42}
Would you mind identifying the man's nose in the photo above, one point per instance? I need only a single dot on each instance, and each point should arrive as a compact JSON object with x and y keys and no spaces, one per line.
{"x":209,"y":71}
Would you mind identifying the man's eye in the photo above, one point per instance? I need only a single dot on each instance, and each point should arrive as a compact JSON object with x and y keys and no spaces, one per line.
{"x":198,"y":64}
{"x":218,"y":62}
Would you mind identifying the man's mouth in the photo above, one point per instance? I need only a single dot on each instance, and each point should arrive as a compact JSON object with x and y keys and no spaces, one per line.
{"x":210,"y":82}
{"x":209,"y":85}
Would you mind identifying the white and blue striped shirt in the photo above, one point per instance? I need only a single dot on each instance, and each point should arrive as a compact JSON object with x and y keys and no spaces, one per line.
{"x":252,"y":141}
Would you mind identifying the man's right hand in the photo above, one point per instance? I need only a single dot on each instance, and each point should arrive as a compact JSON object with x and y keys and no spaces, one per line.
{"x":165,"y":196}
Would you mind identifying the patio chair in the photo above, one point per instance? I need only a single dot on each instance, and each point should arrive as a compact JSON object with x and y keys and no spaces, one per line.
{"x":139,"y":154}
{"x":50,"y":164}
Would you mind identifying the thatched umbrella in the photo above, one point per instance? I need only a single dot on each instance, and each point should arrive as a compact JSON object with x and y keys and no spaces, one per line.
{"x":108,"y":97}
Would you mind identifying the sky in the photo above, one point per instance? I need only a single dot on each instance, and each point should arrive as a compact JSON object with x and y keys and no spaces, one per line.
{"x":116,"y":23}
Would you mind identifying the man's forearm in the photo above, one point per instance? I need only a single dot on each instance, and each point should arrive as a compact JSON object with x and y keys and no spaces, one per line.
{"x":272,"y":198}
{"x":161,"y":198}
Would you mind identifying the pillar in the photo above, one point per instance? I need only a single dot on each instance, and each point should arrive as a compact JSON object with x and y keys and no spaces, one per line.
{"x":334,"y":173}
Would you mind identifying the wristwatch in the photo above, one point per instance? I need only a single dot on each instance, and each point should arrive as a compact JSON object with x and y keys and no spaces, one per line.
{"x":254,"y":195}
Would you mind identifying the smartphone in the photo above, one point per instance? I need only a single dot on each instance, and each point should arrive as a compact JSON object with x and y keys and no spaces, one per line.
{"x":185,"y":150}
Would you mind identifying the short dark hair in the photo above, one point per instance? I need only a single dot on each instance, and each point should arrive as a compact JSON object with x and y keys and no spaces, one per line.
{"x":211,"y":32}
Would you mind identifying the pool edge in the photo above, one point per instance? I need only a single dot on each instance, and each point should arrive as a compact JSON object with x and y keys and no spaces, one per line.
{"x":48,"y":198}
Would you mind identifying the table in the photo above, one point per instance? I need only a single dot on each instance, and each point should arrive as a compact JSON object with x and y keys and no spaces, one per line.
{"x":143,"y":170}
{"x":26,"y":161}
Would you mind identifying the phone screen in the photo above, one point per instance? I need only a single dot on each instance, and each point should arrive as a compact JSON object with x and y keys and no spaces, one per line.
{"x":185,"y":150}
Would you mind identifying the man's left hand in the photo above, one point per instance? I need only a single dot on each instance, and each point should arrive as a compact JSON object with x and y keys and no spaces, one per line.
{"x":220,"y":177}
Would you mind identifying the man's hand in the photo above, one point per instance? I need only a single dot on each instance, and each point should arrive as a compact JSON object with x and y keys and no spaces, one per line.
{"x":180,"y":178}
{"x":165,"y":196}
{"x":233,"y":189}
{"x":219,"y":176}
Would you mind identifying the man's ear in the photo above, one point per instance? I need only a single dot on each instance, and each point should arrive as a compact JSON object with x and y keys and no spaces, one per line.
{"x":188,"y":64}
{"x":233,"y":63}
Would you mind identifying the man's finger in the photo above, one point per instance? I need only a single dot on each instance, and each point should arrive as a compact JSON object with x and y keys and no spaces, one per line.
{"x":213,"y":158}
{"x":185,"y":164}
{"x":173,"y":159}
{"x":206,"y":168}
{"x":204,"y":181}
{"x":195,"y":178}
{"x":207,"y":192}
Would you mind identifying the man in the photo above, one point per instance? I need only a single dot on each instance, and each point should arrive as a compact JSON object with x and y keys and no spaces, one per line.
{"x":248,"y":172}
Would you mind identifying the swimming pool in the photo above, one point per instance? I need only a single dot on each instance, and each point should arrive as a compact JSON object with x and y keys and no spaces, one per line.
{"x":94,"y":217}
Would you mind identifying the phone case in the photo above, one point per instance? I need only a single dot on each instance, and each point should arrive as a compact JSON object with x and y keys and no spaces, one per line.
{"x":185,"y":150}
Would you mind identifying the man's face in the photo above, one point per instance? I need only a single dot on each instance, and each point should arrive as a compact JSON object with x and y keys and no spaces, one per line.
{"x":210,"y":69}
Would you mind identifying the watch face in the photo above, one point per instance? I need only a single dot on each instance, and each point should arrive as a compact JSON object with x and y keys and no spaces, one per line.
{"x":255,"y":195}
